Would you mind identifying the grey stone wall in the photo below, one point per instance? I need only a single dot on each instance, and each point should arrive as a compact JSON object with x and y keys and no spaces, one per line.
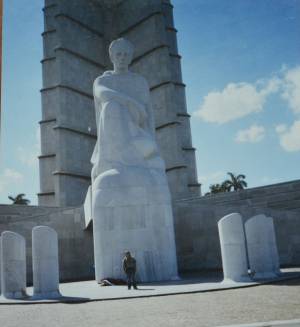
{"x":75,"y":243}
{"x":196,"y":221}
{"x":196,"y":230}
{"x":283,"y":196}
{"x":76,"y":39}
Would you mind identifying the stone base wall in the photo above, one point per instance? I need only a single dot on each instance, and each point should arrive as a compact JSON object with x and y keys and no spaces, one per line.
{"x":75,"y":245}
{"x":282,"y":196}
{"x":196,"y":219}
{"x":196,"y":231}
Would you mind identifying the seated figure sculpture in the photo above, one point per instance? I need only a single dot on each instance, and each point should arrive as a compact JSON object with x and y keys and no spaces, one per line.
{"x":131,"y":204}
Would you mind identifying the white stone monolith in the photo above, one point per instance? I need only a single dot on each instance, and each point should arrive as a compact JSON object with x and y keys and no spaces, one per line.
{"x":0,"y":262}
{"x":131,"y":202}
{"x":13,"y":265}
{"x":45,"y":262}
{"x":274,"y":250}
{"x":233,"y":248}
{"x":259,"y":231}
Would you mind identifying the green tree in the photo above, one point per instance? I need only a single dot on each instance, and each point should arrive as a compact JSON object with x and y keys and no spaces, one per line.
{"x":218,"y":188}
{"x":236,"y":182}
{"x":19,"y":199}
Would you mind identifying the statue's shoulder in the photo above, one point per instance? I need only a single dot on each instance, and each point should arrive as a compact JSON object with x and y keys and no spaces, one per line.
{"x":105,"y":76}
{"x":109,"y":75}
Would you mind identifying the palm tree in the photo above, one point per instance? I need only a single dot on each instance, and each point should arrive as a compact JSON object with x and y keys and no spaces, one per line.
{"x":236,"y":182}
{"x":19,"y":199}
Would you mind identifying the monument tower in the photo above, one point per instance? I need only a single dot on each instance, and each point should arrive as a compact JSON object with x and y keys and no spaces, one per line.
{"x":76,"y":38}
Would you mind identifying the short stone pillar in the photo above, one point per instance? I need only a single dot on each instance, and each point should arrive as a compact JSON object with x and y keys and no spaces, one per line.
{"x":0,"y":262}
{"x":274,"y":250}
{"x":13,"y":265}
{"x":45,"y":262}
{"x":233,"y":248}
{"x":261,"y":247}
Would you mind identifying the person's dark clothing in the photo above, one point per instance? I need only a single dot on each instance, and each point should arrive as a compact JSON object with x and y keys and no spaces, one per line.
{"x":131,"y":279}
{"x":129,"y":266}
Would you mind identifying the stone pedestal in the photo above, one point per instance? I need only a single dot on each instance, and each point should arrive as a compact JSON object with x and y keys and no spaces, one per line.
{"x":261,"y":247}
{"x":233,"y":248}
{"x":134,"y":216}
{"x":45,"y":262}
{"x":13,"y":265}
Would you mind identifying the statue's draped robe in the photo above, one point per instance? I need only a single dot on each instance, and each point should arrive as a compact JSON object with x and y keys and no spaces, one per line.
{"x":131,"y":204}
{"x":125,"y":125}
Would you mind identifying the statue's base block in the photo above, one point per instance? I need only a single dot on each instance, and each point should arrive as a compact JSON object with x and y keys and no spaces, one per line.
{"x":137,"y":219}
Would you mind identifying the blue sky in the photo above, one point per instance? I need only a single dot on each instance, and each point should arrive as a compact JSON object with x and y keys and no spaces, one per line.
{"x":242,"y":70}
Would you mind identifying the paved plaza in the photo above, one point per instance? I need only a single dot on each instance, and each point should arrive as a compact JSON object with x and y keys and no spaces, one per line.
{"x":86,"y":291}
{"x":277,"y":301}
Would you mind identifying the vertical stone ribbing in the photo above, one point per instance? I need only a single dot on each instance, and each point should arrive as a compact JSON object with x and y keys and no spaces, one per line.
{"x":74,"y":55}
{"x":50,"y":105}
{"x":184,"y":129}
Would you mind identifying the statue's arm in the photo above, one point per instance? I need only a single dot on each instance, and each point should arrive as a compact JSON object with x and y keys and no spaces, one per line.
{"x":107,"y":94}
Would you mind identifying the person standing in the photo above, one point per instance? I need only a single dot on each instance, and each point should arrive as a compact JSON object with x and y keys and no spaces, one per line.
{"x":129,"y":266}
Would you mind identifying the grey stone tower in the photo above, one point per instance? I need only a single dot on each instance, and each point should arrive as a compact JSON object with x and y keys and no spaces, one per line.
{"x":76,"y":38}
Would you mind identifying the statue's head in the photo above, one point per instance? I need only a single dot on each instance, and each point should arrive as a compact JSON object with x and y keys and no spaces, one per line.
{"x":121,"y":52}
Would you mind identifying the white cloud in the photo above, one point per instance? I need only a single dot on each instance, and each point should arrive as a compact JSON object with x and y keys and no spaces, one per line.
{"x":289,"y":138}
{"x":269,"y":86}
{"x":8,"y":178}
{"x":253,"y":134}
{"x":281,"y":128}
{"x":236,"y":100}
{"x":291,"y":88}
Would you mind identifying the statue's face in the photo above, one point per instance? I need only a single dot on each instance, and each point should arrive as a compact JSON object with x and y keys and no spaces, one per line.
{"x":121,"y":57}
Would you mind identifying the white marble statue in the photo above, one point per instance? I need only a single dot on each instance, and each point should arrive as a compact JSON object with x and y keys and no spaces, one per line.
{"x":131,"y":204}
